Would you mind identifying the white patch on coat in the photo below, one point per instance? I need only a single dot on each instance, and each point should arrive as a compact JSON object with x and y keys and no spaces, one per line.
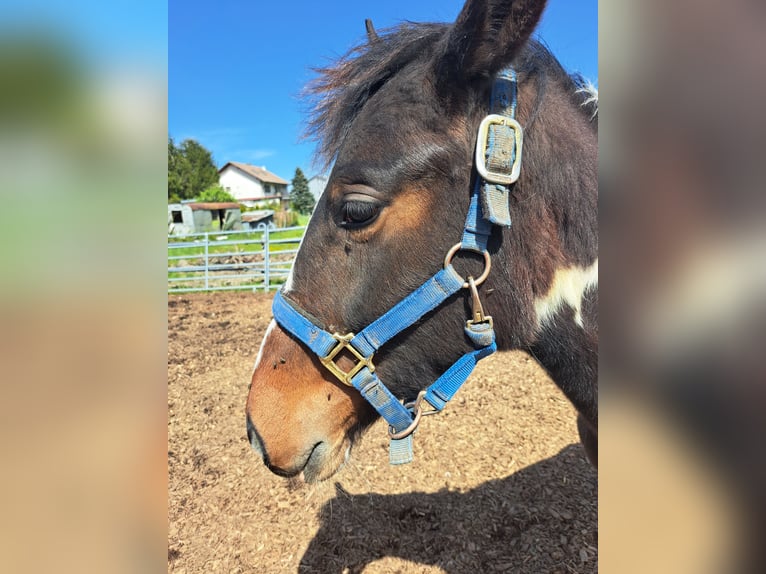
{"x":707,"y":300}
{"x":269,"y":329}
{"x":567,"y":288}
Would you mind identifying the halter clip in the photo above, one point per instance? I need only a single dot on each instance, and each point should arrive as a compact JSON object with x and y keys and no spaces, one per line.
{"x":477,"y":310}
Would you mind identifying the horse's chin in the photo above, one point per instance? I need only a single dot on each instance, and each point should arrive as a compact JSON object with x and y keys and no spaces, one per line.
{"x":325,"y":463}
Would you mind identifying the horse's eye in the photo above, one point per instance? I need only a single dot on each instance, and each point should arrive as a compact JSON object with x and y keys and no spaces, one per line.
{"x":359,"y":213}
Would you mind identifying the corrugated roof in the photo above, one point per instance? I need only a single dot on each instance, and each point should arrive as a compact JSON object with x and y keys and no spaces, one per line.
{"x":257,"y":215}
{"x":256,"y":172}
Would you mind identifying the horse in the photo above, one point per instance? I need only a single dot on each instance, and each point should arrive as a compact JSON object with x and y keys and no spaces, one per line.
{"x":398,"y":117}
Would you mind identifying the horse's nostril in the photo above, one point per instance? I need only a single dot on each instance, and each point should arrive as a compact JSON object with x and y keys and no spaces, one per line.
{"x":255,"y":440}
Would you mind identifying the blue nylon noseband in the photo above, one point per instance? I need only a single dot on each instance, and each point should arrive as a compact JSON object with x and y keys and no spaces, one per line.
{"x":498,"y":158}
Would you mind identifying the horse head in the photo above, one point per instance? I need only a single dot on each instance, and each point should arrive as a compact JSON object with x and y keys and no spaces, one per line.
{"x":398,"y":118}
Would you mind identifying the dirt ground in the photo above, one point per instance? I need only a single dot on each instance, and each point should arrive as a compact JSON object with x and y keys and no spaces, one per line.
{"x":499,"y":482}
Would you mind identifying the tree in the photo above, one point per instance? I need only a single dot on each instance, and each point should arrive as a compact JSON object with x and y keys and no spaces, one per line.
{"x":203,"y":173}
{"x":190,"y":170}
{"x":216,"y":194}
{"x":302,"y":200}
{"x":178,"y":169}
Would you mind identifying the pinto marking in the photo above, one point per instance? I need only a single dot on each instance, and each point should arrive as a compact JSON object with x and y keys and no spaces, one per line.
{"x":568,"y":287}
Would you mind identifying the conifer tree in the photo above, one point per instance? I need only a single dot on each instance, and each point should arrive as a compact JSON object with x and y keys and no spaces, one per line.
{"x":302,"y":200}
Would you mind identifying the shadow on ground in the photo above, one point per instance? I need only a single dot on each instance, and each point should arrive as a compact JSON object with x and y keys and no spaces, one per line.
{"x":542,"y":518}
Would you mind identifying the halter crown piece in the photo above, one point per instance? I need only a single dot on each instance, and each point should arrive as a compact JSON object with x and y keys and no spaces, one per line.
{"x":498,"y":160}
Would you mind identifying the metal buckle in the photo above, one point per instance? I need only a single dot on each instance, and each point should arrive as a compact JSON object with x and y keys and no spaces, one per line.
{"x":344,"y":342}
{"x":481,"y":149}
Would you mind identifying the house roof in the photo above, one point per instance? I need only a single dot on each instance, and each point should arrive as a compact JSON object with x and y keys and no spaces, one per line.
{"x":256,"y":172}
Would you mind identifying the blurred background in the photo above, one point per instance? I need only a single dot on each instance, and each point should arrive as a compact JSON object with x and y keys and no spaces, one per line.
{"x":83,"y":133}
{"x":683,"y":316}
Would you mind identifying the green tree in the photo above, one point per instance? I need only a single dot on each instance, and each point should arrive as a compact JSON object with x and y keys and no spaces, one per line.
{"x":178,"y":170}
{"x":216,"y":194}
{"x":203,"y":173}
{"x":302,"y":200}
{"x":191,"y":170}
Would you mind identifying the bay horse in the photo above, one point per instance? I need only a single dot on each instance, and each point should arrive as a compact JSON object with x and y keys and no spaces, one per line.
{"x":398,"y":116}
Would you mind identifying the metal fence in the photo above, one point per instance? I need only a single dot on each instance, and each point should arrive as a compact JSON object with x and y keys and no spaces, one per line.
{"x":230,"y":260}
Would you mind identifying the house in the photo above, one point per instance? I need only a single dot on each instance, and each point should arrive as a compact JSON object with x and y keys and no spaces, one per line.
{"x":185,"y":218}
{"x":317,"y":185}
{"x":249,"y":183}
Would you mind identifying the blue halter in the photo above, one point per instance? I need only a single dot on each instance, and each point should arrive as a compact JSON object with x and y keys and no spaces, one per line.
{"x":498,"y":159}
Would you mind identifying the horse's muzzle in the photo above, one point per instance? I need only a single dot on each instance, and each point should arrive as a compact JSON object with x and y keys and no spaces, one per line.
{"x":311,"y":464}
{"x":255,"y":440}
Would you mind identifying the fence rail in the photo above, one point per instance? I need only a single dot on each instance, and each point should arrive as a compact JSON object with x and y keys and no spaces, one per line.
{"x":229,"y":260}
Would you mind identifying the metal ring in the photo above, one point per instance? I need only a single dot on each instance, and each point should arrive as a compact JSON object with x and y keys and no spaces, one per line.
{"x":487,"y":263}
{"x":409,"y":430}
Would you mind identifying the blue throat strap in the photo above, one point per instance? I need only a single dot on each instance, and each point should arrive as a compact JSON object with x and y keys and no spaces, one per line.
{"x":498,"y":158}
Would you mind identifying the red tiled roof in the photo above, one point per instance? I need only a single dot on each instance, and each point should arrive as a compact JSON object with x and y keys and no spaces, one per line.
{"x":256,"y":172}
{"x":214,"y":205}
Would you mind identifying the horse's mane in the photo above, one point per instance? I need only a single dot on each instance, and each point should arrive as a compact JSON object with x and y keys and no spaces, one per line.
{"x":339,"y":92}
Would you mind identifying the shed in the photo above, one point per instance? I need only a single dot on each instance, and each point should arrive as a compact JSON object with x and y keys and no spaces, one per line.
{"x":258,"y":219}
{"x":199,"y":217}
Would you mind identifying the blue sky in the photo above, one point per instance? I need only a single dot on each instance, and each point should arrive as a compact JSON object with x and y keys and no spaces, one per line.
{"x":104,"y":35}
{"x":236,"y":68}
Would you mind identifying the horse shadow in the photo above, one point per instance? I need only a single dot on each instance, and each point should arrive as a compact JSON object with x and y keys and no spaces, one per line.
{"x":542,"y":518}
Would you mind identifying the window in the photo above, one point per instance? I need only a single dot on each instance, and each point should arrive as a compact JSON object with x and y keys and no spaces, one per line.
{"x":178,"y":216}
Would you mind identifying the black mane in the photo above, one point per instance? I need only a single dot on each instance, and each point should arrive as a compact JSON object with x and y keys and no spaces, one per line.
{"x":340,"y":91}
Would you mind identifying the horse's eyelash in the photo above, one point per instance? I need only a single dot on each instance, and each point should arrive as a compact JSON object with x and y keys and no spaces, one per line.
{"x":357,"y":214}
{"x":360,"y":209}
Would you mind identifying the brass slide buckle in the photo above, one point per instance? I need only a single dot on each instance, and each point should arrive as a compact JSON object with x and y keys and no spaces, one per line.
{"x":344,"y":342}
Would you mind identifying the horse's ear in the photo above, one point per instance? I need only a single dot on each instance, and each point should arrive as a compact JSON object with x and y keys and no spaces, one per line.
{"x":372,"y":35}
{"x":486,"y":36}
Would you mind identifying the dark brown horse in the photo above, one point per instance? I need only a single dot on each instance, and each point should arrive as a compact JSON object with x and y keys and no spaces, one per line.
{"x":398,"y":117}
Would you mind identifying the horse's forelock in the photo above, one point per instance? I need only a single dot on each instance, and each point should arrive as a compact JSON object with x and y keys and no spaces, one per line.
{"x":338,"y":93}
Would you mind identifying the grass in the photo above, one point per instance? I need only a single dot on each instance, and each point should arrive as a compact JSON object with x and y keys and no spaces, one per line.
{"x":248,"y":248}
{"x":215,"y":246}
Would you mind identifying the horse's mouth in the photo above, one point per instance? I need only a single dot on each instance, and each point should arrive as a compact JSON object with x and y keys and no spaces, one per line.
{"x":321,"y":463}
{"x":324,"y":462}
